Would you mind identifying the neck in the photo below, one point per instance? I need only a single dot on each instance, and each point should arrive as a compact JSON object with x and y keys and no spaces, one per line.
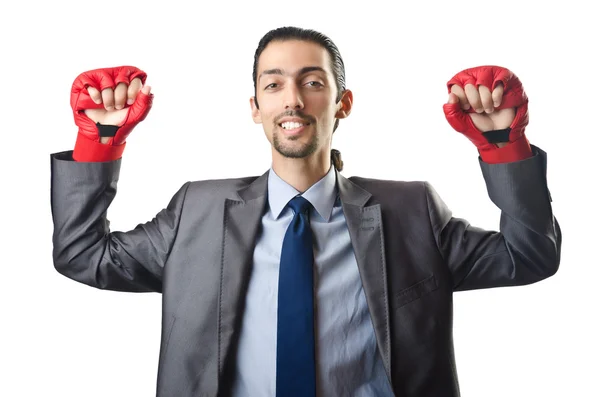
{"x":304,"y":172}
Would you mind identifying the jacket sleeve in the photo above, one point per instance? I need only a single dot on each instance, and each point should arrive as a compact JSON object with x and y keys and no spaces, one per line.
{"x":527,"y":247}
{"x":84,"y":248}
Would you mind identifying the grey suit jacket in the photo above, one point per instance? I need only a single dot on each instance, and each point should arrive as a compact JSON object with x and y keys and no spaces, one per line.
{"x":411,"y":254}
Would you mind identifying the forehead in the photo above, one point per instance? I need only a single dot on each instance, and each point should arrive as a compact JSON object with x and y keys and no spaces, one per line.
{"x":293,"y":55}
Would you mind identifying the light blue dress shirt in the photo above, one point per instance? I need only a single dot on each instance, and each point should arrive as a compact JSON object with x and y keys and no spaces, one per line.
{"x":347,"y":360}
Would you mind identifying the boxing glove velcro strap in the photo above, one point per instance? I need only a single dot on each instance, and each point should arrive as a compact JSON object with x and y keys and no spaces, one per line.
{"x":497,"y":136}
{"x":106,"y":131}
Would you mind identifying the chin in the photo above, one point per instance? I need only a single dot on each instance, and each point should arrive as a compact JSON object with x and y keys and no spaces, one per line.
{"x":294,"y":149}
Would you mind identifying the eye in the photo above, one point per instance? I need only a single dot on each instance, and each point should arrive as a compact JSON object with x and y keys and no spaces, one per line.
{"x":314,"y":84}
{"x":272,"y":85}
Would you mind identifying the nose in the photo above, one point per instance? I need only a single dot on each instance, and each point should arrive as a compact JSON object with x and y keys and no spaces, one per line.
{"x":293,"y":97}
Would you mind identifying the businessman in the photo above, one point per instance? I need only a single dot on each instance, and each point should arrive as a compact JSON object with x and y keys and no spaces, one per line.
{"x":302,"y":282}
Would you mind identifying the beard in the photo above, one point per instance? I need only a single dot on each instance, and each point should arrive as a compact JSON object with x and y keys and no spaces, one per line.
{"x":295,"y":150}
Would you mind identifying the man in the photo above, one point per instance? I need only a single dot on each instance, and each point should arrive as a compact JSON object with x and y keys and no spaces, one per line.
{"x":300,"y":281}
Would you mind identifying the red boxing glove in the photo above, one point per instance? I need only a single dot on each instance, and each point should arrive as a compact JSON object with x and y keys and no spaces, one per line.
{"x":88,"y":146}
{"x":513,"y":96}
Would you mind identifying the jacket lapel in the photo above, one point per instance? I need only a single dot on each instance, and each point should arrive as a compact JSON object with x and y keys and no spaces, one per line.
{"x":241,"y":223}
{"x":366,"y":233}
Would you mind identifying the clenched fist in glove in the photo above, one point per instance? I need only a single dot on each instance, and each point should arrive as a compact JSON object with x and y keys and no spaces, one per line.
{"x":488,"y":105}
{"x":107,"y":104}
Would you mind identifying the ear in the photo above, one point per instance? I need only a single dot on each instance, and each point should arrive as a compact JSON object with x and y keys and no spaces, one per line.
{"x":344,"y":105}
{"x":255,"y":112}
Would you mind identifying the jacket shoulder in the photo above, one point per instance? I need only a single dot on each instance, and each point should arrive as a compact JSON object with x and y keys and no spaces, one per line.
{"x":220,"y":188}
{"x":406,"y":201}
{"x":385,"y":187}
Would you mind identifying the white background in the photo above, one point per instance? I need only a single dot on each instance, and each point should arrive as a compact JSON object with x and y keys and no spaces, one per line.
{"x":61,"y":338}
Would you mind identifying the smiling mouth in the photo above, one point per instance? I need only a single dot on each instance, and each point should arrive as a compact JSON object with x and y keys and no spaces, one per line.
{"x":292,"y":125}
{"x":293,"y":129}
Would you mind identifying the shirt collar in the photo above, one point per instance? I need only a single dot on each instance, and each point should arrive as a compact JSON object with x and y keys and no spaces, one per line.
{"x":321,"y":195}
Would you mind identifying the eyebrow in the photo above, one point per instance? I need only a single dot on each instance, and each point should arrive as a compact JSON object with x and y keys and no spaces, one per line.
{"x":302,"y":71}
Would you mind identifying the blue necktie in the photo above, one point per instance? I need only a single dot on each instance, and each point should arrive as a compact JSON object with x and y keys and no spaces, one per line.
{"x":295,"y":324}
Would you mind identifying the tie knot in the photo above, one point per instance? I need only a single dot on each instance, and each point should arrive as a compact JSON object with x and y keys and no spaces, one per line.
{"x":299,"y":204}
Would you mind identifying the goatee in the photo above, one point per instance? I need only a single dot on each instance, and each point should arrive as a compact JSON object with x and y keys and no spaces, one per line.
{"x":293,"y":151}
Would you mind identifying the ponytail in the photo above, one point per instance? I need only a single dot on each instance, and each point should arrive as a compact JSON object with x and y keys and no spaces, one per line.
{"x":336,"y":159}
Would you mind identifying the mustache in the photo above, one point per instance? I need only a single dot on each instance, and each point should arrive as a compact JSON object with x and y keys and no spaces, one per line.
{"x":295,"y":113}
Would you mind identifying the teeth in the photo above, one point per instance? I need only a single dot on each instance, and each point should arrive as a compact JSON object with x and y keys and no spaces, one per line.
{"x":290,"y":125}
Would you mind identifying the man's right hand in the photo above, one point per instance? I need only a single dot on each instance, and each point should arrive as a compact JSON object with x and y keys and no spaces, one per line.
{"x":107,"y":104}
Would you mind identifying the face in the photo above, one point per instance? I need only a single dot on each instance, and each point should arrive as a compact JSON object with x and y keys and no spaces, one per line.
{"x":296,"y":92}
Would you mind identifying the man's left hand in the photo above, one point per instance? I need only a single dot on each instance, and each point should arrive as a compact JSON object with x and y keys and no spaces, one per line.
{"x":488,"y":105}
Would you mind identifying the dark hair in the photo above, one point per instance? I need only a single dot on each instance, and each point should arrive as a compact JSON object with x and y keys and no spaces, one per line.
{"x":293,"y":33}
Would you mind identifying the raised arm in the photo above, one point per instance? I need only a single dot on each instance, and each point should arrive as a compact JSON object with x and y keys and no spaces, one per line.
{"x":107,"y":104}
